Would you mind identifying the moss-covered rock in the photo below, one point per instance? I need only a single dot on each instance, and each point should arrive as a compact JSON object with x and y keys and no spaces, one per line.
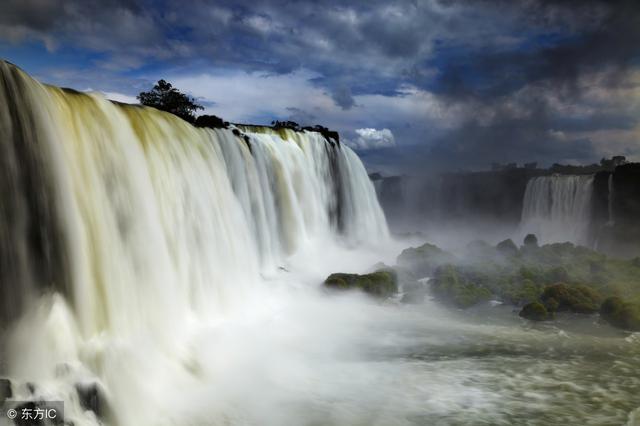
{"x":580,"y":299}
{"x":535,"y":311}
{"x":452,"y":287}
{"x":381,"y":283}
{"x":621,"y":314}
{"x":425,"y":259}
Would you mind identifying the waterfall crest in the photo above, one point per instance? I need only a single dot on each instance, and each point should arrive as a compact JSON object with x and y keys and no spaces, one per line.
{"x":558,"y":208}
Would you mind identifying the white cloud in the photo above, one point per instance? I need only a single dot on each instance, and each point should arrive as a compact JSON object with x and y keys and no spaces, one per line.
{"x":250,"y":97}
{"x":369,"y":138}
{"x":257,"y":98}
{"x":114,"y":96}
{"x":120,"y":97}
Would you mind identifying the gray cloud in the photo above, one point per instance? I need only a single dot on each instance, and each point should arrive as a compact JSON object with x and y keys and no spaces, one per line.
{"x":343,"y":97}
{"x":539,"y":79}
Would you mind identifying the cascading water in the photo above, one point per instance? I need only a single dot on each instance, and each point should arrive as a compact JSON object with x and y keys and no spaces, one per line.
{"x":558,"y":208}
{"x":121,"y":223}
{"x":173,"y":273}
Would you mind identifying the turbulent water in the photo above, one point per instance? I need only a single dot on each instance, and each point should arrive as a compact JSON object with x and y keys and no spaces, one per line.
{"x":179,"y":269}
{"x":558,"y":208}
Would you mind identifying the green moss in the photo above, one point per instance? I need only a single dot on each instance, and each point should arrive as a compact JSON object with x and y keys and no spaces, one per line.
{"x":535,"y":311}
{"x":578,"y":298}
{"x":381,"y":283}
{"x":454,"y":288}
{"x":621,"y":314}
{"x":528,"y":275}
{"x":523,"y":292}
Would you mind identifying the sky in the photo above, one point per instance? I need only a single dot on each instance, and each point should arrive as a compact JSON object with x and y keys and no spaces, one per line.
{"x":414,"y":86}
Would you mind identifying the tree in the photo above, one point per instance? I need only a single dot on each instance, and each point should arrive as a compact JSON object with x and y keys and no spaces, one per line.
{"x":165,"y":97}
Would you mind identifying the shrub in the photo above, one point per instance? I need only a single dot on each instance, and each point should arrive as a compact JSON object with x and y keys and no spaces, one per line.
{"x":535,"y":311}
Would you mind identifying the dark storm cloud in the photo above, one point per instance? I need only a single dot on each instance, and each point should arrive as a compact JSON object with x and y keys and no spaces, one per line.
{"x":598,"y":35}
{"x":343,"y":97}
{"x":510,"y":80}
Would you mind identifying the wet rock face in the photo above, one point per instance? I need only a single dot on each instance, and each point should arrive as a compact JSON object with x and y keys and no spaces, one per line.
{"x":6,"y":390}
{"x":92,"y":398}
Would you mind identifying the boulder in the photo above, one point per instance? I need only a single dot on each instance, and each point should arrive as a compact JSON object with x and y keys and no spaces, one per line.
{"x":531,"y":240}
{"x":507,"y":248}
{"x":382,"y":283}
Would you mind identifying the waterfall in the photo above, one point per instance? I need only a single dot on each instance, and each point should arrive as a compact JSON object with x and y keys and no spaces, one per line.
{"x":558,"y":208}
{"x":131,"y":223}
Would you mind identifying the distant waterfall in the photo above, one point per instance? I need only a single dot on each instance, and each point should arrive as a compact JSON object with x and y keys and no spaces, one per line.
{"x":558,"y":208}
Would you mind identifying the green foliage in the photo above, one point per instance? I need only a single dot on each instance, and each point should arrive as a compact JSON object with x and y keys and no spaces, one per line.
{"x":535,"y":311}
{"x":211,"y":121}
{"x":425,"y":259}
{"x":382,"y":283}
{"x":523,"y":292}
{"x":167,"y":98}
{"x":455,"y":288}
{"x":621,"y":314}
{"x":578,"y":298}
{"x":562,"y":277}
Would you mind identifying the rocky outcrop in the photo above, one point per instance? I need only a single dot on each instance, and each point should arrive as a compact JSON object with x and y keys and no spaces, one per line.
{"x":382,"y":283}
{"x":92,"y":397}
{"x":6,"y":390}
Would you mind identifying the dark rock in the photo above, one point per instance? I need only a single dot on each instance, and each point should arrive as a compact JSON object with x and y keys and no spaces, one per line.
{"x":92,"y":398}
{"x":331,"y":136}
{"x":531,"y":241}
{"x":507,"y":248}
{"x":6,"y":391}
{"x":535,"y":311}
